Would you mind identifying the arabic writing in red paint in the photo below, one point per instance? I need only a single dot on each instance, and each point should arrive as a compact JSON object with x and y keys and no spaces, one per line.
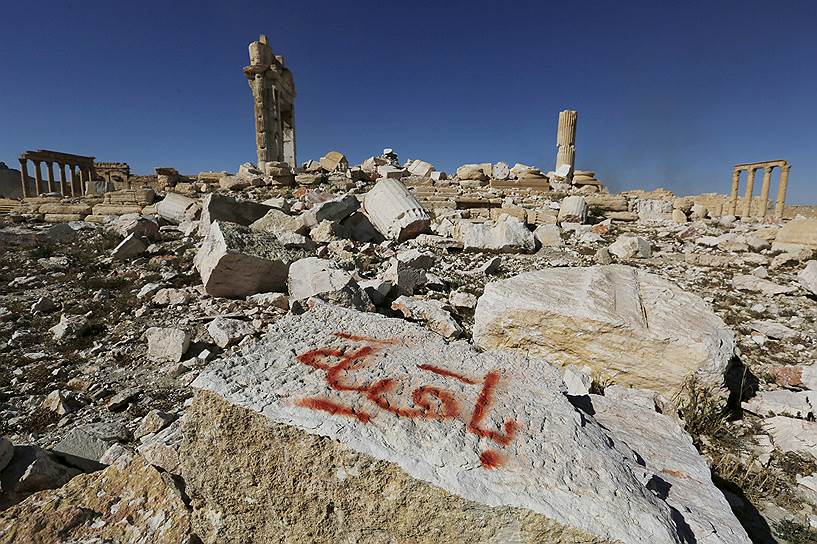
{"x":429,"y":402}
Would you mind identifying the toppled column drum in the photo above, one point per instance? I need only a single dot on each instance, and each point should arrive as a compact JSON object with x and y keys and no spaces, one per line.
{"x":394,"y":211}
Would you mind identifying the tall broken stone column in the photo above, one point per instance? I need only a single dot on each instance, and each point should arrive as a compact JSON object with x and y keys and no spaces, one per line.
{"x":394,"y":211}
{"x":273,"y":91}
{"x":566,"y":141}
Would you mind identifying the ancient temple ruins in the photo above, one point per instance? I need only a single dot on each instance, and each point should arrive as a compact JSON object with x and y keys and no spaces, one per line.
{"x":273,"y":92}
{"x":80,"y":173}
{"x":566,"y":142}
{"x":750,"y":168}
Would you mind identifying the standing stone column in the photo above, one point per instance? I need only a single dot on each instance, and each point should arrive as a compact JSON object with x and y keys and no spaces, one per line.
{"x":37,"y":177}
{"x":62,"y":175}
{"x":73,"y":169}
{"x":24,"y":176}
{"x":733,"y":196}
{"x":566,"y":141}
{"x":781,"y":192}
{"x":260,"y":72}
{"x":747,"y":196}
{"x":764,"y":190}
{"x":50,"y":167}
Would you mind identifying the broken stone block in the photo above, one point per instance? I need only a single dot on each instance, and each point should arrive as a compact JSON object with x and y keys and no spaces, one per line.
{"x":799,"y":233}
{"x":394,"y":211}
{"x":627,"y":323}
{"x":171,"y":297}
{"x":236,"y":262}
{"x":501,"y":171}
{"x":275,"y":300}
{"x":70,"y":326}
{"x":793,"y":435}
{"x":335,"y":209}
{"x":630,"y":247}
{"x":127,"y":502}
{"x":162,"y":449}
{"x":472,"y":172}
{"x":44,"y":305}
{"x":279,"y":223}
{"x":420,"y":168}
{"x":84,"y":445}
{"x":377,"y":290}
{"x":391,"y":172}
{"x":129,"y":248}
{"x":60,"y":402}
{"x":167,"y":344}
{"x":32,"y":469}
{"x":549,"y":236}
{"x":507,"y":235}
{"x":218,"y":207}
{"x":334,"y":161}
{"x":177,"y":208}
{"x":573,"y":209}
{"x":487,"y":436}
{"x":153,"y":422}
{"x":141,"y":226}
{"x":462,"y":300}
{"x":748,"y":282}
{"x":808,"y":277}
{"x":226,"y":331}
{"x":428,"y":311}
{"x":314,"y":277}
{"x":782,"y":402}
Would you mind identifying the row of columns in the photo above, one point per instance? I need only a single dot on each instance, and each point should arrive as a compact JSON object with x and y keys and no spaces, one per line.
{"x":746,"y":208}
{"x":81,"y":177}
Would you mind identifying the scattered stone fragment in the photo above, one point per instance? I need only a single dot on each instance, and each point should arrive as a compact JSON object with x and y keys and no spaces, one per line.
{"x":222,"y":208}
{"x":84,"y":445}
{"x":227,"y":331}
{"x":70,"y":326}
{"x":167,"y":343}
{"x":573,"y":209}
{"x":44,"y":305}
{"x":129,"y":248}
{"x":394,"y":211}
{"x":430,"y":312}
{"x":549,"y":236}
{"x":153,"y":422}
{"x":808,"y":277}
{"x":630,"y":247}
{"x":793,"y":435}
{"x":507,"y":235}
{"x":312,"y":277}
{"x":748,"y":282}
{"x":799,"y":404}
{"x":60,"y":402}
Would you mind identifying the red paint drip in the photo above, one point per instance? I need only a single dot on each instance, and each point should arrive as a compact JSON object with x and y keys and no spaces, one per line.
{"x":481,"y":410}
{"x":448,"y":374}
{"x":333,"y":408}
{"x":490,"y":459}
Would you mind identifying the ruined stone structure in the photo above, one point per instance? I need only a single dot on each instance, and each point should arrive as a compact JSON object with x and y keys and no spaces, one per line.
{"x":114,"y":173}
{"x":750,"y":168}
{"x":81,"y":170}
{"x":566,"y":141}
{"x":273,"y":92}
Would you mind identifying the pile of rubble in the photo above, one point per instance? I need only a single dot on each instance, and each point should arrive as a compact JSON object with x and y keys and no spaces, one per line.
{"x":499,"y":355}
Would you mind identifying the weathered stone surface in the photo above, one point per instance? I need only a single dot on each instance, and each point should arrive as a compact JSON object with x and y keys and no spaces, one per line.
{"x":793,"y":435}
{"x":748,"y":282}
{"x":430,"y":312}
{"x":334,"y":209}
{"x":278,"y":222}
{"x":69,"y":326}
{"x":634,"y":326}
{"x":549,"y":236}
{"x":797,"y":234}
{"x":333,"y":161}
{"x":83,"y":446}
{"x":799,"y":404}
{"x":177,"y":208}
{"x":314,"y":277}
{"x":471,"y":171}
{"x":235,"y":262}
{"x":131,"y":503}
{"x":222,"y":208}
{"x":129,"y":248}
{"x":226,"y":331}
{"x":394,"y":211}
{"x":31,"y":469}
{"x":678,"y":471}
{"x":630,"y":247}
{"x":507,"y":235}
{"x":573,"y":209}
{"x":167,"y":344}
{"x":488,"y":437}
{"x":141,"y":226}
{"x":808,"y":277}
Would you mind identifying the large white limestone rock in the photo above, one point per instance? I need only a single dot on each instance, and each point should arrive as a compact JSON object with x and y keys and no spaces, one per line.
{"x":394,"y":211}
{"x":808,"y":277}
{"x":492,"y":428}
{"x":507,"y":235}
{"x":636,"y":327}
{"x":236,"y":262}
{"x":797,"y":234}
{"x":223,"y":208}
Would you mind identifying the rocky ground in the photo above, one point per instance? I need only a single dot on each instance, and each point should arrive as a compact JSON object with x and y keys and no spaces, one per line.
{"x":101,"y":340}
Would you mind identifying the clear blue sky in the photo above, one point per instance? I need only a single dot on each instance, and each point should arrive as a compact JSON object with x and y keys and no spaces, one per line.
{"x":669,"y":94}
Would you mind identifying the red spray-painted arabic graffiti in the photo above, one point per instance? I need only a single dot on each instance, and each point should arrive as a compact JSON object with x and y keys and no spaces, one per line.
{"x":428,"y":402}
